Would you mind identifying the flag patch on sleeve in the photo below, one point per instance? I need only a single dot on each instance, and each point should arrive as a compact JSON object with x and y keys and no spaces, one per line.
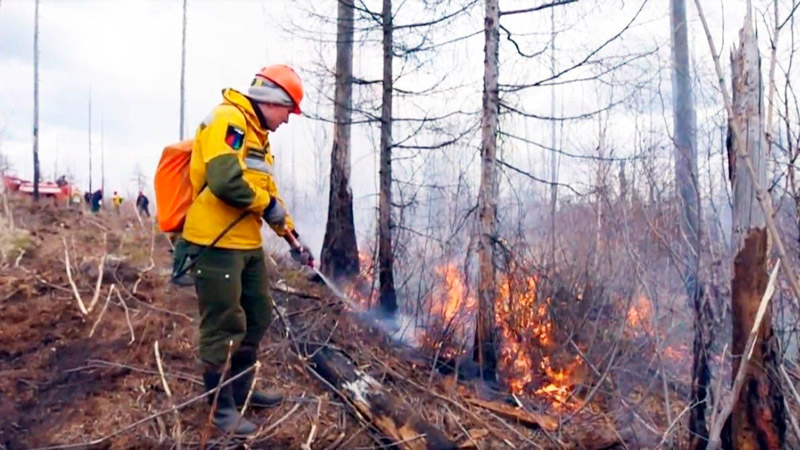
{"x":234,"y":137}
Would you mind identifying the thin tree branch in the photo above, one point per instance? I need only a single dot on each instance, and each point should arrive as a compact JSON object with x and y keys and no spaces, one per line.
{"x":537,"y":8}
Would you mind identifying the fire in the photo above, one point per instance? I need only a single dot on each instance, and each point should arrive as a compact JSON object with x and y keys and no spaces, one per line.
{"x":455,"y":294}
{"x":364,"y":290}
{"x":561,"y":381}
{"x":638,"y":316}
{"x":526,"y":330}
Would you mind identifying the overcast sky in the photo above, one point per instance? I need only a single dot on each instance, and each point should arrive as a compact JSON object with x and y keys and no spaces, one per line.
{"x":125,"y":55}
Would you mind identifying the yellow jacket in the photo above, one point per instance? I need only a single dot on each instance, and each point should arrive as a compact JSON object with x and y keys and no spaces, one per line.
{"x":231,"y":172}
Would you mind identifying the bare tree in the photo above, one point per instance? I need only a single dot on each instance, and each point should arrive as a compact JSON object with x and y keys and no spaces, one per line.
{"x":36,"y":105}
{"x":758,"y":416}
{"x":339,"y":247}
{"x":183,"y":71}
{"x":90,"y":140}
{"x":485,"y":353}
{"x":686,"y":179}
{"x":102,"y":159}
{"x":388,"y":296}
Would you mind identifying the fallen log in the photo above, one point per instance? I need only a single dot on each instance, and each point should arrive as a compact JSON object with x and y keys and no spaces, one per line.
{"x":394,"y":419}
{"x":528,"y":418}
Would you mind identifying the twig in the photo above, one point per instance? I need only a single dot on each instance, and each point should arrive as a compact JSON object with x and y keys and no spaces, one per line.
{"x":207,"y":428}
{"x":81,"y":305}
{"x":148,"y":418}
{"x":229,"y":434}
{"x":792,"y":418}
{"x":100,"y":268}
{"x":464,"y":430}
{"x":719,"y":417}
{"x":307,"y":444}
{"x":127,"y":317}
{"x":102,"y":311}
{"x":177,"y":432}
{"x":19,"y":258}
{"x":279,"y":421}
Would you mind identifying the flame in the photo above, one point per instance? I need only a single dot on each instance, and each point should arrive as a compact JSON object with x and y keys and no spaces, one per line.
{"x":526,"y":329}
{"x":455,"y":293}
{"x":363,"y":290}
{"x":639,"y":314}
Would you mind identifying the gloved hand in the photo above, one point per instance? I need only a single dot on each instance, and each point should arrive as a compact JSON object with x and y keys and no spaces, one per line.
{"x":302,"y":255}
{"x":275,"y":214}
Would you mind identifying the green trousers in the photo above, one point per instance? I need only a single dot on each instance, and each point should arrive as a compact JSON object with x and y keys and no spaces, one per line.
{"x":234,"y":300}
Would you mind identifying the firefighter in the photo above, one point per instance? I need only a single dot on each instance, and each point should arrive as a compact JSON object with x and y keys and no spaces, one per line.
{"x":96,"y":200}
{"x":234,"y":189}
{"x":117,"y":201}
{"x":143,"y":204}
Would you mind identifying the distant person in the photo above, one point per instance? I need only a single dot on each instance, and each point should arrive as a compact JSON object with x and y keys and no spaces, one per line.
{"x":143,"y":204}
{"x":234,"y":189}
{"x":96,"y":200}
{"x":87,"y":197}
{"x":116,"y":200}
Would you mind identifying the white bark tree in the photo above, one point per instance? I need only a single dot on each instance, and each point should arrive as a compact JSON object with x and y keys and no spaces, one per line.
{"x":485,"y":353}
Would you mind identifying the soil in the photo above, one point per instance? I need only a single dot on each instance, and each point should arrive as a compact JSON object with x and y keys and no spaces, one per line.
{"x":75,"y":380}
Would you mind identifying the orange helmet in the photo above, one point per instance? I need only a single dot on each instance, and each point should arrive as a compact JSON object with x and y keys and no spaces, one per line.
{"x":285,"y":77}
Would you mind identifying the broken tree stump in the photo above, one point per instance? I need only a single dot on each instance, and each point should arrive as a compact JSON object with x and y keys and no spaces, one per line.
{"x":394,"y":419}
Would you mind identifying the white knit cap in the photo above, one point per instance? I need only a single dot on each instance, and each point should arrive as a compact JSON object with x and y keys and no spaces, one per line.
{"x":265,"y":91}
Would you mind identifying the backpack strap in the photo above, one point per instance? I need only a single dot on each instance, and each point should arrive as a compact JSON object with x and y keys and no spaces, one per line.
{"x":184,"y":266}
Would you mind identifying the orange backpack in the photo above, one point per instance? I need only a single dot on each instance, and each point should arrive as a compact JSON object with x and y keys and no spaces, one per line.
{"x":173,"y":186}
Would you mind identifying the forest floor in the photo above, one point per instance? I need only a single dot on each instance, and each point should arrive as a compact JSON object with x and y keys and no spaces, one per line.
{"x":69,"y":379}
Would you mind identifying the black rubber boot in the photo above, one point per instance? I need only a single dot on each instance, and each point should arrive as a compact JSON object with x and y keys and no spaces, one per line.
{"x":240,"y":361}
{"x":226,"y":417}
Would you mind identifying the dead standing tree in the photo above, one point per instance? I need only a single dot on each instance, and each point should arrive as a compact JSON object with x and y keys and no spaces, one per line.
{"x":36,"y":105}
{"x":183,"y":71}
{"x":758,"y":418}
{"x":686,"y":179}
{"x":388,"y":296}
{"x":339,"y":256}
{"x":485,"y":353}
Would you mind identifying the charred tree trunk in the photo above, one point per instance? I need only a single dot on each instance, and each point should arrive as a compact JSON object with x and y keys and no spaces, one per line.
{"x":183,"y":71}
{"x":36,"y":105}
{"x":758,"y":417}
{"x":684,"y":120}
{"x":339,"y":248}
{"x":404,"y":427}
{"x":485,"y":353}
{"x":388,"y":296}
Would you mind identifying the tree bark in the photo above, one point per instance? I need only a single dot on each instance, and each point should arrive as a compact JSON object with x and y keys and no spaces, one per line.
{"x":686,"y":176}
{"x":758,"y":417}
{"x":389,"y":414}
{"x":183,"y":71}
{"x":388,"y":296}
{"x":36,"y":105}
{"x":485,"y":353}
{"x":339,"y":258}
